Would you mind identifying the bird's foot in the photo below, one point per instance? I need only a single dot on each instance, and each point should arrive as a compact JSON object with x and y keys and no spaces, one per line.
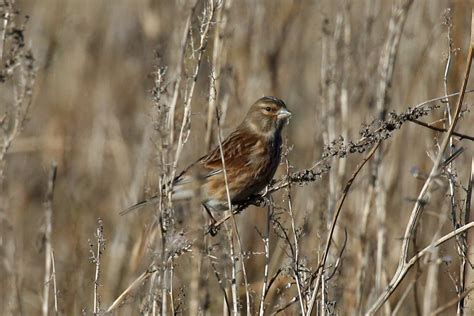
{"x":213,"y":229}
{"x":259,"y":200}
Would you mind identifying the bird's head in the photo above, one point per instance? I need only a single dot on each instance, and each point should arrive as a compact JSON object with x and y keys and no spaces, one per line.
{"x":267,"y":116}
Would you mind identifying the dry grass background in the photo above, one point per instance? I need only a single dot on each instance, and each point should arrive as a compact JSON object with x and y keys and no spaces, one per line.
{"x":92,"y":113}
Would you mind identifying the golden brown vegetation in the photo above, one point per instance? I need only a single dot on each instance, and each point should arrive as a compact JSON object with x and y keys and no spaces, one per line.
{"x":119,"y":95}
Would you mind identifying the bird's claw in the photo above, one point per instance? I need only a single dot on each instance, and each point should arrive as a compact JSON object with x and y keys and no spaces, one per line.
{"x":212,"y":229}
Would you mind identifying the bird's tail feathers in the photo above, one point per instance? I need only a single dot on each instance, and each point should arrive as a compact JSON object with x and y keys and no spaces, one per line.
{"x":179,"y":193}
{"x":149,"y":201}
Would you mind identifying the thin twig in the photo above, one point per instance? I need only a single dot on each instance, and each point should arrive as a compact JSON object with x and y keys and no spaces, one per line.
{"x":119,"y":300}
{"x":234,"y":222}
{"x":179,"y":67}
{"x":296,"y":259}
{"x":218,"y":58}
{"x":48,"y":203}
{"x":440,"y":129}
{"x":403,"y":297}
{"x":322,"y":263}
{"x":55,"y":289}
{"x":452,"y":302}
{"x":418,"y":207}
{"x":208,"y":16}
{"x":266,"y":245}
{"x":95,"y":258}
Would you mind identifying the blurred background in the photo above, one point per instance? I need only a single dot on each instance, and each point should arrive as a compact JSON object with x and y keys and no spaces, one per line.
{"x":92,"y":113}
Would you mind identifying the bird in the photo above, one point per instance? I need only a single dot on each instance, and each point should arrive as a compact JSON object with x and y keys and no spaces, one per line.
{"x":251,"y":157}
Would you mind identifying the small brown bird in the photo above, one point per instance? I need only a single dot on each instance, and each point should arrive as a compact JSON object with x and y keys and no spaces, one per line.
{"x":251,"y":158}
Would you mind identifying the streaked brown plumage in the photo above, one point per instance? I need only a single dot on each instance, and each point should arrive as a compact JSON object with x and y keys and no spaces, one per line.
{"x":251,"y":155}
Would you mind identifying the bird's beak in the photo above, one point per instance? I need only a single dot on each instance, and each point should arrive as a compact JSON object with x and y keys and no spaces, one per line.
{"x":283,"y":114}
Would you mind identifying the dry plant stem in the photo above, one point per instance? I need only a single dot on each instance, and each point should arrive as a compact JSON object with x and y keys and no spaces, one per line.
{"x":48,"y":203}
{"x":296,"y":259}
{"x":164,"y":286}
{"x":449,"y":170}
{"x":385,"y":70}
{"x":431,"y":285}
{"x":364,"y":248}
{"x":95,"y":257}
{"x":218,"y":58}
{"x":322,"y":263}
{"x":403,"y":297}
{"x":55,"y":289}
{"x":418,"y":207}
{"x":330,"y":79}
{"x":233,"y":281}
{"x":440,"y":310}
{"x":205,"y":24}
{"x":234,"y":223}
{"x":439,"y":129}
{"x":221,"y":284}
{"x":344,"y":90}
{"x":121,"y":298}
{"x":428,"y":249}
{"x":22,"y":104}
{"x":468,"y":241}
{"x":173,"y":311}
{"x":333,"y":58}
{"x":266,"y":245}
{"x":179,"y":67}
{"x":208,"y":16}
{"x":6,"y":17}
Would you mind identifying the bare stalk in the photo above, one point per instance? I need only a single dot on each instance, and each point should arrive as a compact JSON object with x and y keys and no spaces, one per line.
{"x":179,"y":67}
{"x":208,"y":16}
{"x":431,"y":286}
{"x":410,"y":263}
{"x":121,"y":298}
{"x":234,"y":225}
{"x":47,"y":238}
{"x":418,"y":207}
{"x":296,"y":259}
{"x":218,"y":58}
{"x":266,"y":245}
{"x":55,"y":289}
{"x":95,"y":258}
{"x":439,"y":129}
{"x":322,"y":262}
{"x":385,"y":70}
{"x":468,"y":258}
{"x":6,"y":16}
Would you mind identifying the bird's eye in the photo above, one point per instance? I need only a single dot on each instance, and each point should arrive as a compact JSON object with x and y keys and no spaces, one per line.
{"x":268,"y":109}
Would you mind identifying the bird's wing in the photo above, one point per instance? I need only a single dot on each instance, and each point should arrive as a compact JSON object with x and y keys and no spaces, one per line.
{"x":237,"y":151}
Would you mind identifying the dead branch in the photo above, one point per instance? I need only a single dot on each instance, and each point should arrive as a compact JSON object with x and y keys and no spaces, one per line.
{"x":47,"y":237}
{"x":418,"y":207}
{"x":322,"y":263}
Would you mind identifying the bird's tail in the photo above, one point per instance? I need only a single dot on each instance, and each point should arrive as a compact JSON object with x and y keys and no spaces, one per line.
{"x":180,"y":192}
{"x":149,"y":201}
